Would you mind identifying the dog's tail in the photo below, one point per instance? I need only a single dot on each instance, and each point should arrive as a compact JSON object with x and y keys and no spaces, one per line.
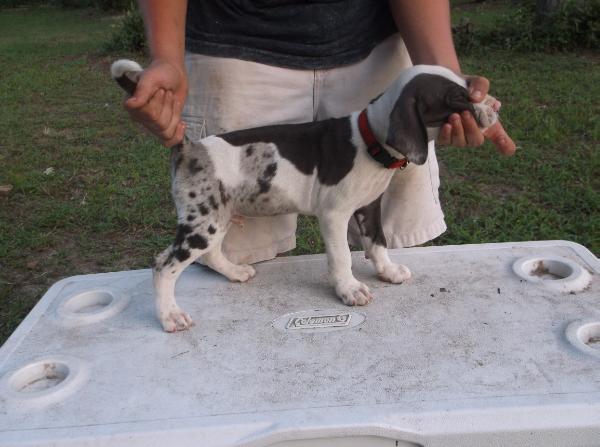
{"x":127,"y":74}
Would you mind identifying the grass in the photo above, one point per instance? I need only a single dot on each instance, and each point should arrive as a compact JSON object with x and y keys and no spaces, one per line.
{"x":105,"y":205}
{"x":484,"y":14}
{"x":550,"y":189}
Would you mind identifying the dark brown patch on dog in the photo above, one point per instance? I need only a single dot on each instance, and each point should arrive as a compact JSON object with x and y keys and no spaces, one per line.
{"x":202,"y":209}
{"x":264,"y":182}
{"x":128,"y":84}
{"x":224,"y":196}
{"x":194,"y":167}
{"x":368,"y":219}
{"x":323,"y":145}
{"x":182,"y":231}
{"x":181,"y":254}
{"x":213,"y":202}
{"x":197,"y":241}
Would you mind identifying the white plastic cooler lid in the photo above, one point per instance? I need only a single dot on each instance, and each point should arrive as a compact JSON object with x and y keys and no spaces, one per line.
{"x":494,"y":344}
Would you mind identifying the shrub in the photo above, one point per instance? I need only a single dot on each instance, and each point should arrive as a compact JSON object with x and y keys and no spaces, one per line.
{"x":114,"y":5}
{"x":128,"y":35}
{"x":16,"y":3}
{"x":574,"y":25}
{"x":105,"y":5}
{"x":72,"y":4}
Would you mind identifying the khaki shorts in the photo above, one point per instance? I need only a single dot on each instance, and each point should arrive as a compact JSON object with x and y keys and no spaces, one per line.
{"x":230,"y":94}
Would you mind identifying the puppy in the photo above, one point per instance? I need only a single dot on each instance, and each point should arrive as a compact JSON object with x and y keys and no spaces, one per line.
{"x":335,"y":169}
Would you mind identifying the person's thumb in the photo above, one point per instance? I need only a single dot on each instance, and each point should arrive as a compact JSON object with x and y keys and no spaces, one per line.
{"x":499,"y":138}
{"x":478,"y":87}
{"x":147,"y":86}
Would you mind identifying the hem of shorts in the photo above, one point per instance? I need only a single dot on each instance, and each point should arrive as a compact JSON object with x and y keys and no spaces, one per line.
{"x":417,"y":237}
{"x":404,"y":240}
{"x":264,"y":253}
{"x":281,"y":60}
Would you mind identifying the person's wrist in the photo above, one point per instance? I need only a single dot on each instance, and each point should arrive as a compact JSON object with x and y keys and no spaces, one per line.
{"x":175,"y":63}
{"x":431,"y":58}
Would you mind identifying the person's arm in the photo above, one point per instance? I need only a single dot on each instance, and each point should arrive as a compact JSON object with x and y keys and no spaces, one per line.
{"x":159,"y":97}
{"x":426,"y":29}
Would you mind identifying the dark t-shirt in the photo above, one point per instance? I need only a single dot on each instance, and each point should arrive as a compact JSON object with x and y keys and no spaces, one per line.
{"x":306,"y":34}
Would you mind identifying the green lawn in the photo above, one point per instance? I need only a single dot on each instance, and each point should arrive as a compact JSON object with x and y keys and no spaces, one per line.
{"x":105,"y":203}
{"x":483,"y":14}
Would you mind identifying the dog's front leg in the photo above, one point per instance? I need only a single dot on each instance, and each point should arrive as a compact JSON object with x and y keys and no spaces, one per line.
{"x":374,"y":244}
{"x":334,"y":228}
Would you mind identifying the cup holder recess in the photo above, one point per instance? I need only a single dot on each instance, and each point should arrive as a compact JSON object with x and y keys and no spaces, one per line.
{"x":554,"y":272}
{"x":92,"y":306}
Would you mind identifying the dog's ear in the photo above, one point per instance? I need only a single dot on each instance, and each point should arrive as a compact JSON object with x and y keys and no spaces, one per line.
{"x":407,"y":132}
{"x":457,"y":99}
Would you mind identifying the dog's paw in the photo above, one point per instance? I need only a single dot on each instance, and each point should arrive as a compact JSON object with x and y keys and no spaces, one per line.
{"x":240,"y":273}
{"x":238,"y":220}
{"x":175,"y":320}
{"x":354,"y":293}
{"x":394,"y":273}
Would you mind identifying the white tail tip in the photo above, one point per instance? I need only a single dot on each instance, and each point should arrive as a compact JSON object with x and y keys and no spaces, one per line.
{"x":122,"y":66}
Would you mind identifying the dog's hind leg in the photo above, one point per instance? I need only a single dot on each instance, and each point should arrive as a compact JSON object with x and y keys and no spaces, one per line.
{"x":373,"y":240}
{"x":188,"y":246}
{"x":216,"y":260}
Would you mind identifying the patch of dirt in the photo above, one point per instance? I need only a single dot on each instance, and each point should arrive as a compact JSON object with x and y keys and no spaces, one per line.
{"x":591,"y":55}
{"x":501,"y":190}
{"x":467,"y":4}
{"x":540,"y":270}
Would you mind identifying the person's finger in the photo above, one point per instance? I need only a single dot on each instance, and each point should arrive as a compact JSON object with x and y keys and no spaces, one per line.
{"x":177,"y":137}
{"x":150,"y":115}
{"x":458,"y":133}
{"x":166,"y":114}
{"x":146,"y":88}
{"x":177,"y":107}
{"x":170,"y":128}
{"x":499,"y":138}
{"x":473,"y":135}
{"x":478,"y":87}
{"x":445,"y":136}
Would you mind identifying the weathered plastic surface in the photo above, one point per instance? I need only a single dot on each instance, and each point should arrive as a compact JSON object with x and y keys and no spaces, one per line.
{"x":466,"y":353}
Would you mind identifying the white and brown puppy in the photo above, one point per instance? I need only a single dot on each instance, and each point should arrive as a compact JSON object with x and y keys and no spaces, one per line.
{"x":335,"y":169}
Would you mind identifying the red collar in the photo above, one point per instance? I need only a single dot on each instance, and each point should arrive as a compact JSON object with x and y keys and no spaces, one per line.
{"x":374,"y":148}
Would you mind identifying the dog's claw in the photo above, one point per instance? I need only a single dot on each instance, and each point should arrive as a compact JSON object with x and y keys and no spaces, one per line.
{"x":238,"y":220}
{"x":354,"y":294}
{"x":394,"y":273}
{"x":241,"y":273}
{"x":176,"y":320}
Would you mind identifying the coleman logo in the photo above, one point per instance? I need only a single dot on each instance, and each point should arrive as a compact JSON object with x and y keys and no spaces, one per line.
{"x":319,"y":321}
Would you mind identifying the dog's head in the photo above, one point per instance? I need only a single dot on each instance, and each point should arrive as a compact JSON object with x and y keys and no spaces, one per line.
{"x":426,"y":97}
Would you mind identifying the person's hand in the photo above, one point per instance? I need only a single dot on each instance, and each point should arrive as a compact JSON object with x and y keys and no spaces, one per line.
{"x":158,"y":101}
{"x":461,"y":129}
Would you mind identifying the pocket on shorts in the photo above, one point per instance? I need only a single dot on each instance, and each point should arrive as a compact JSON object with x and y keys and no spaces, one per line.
{"x":195,"y":123}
